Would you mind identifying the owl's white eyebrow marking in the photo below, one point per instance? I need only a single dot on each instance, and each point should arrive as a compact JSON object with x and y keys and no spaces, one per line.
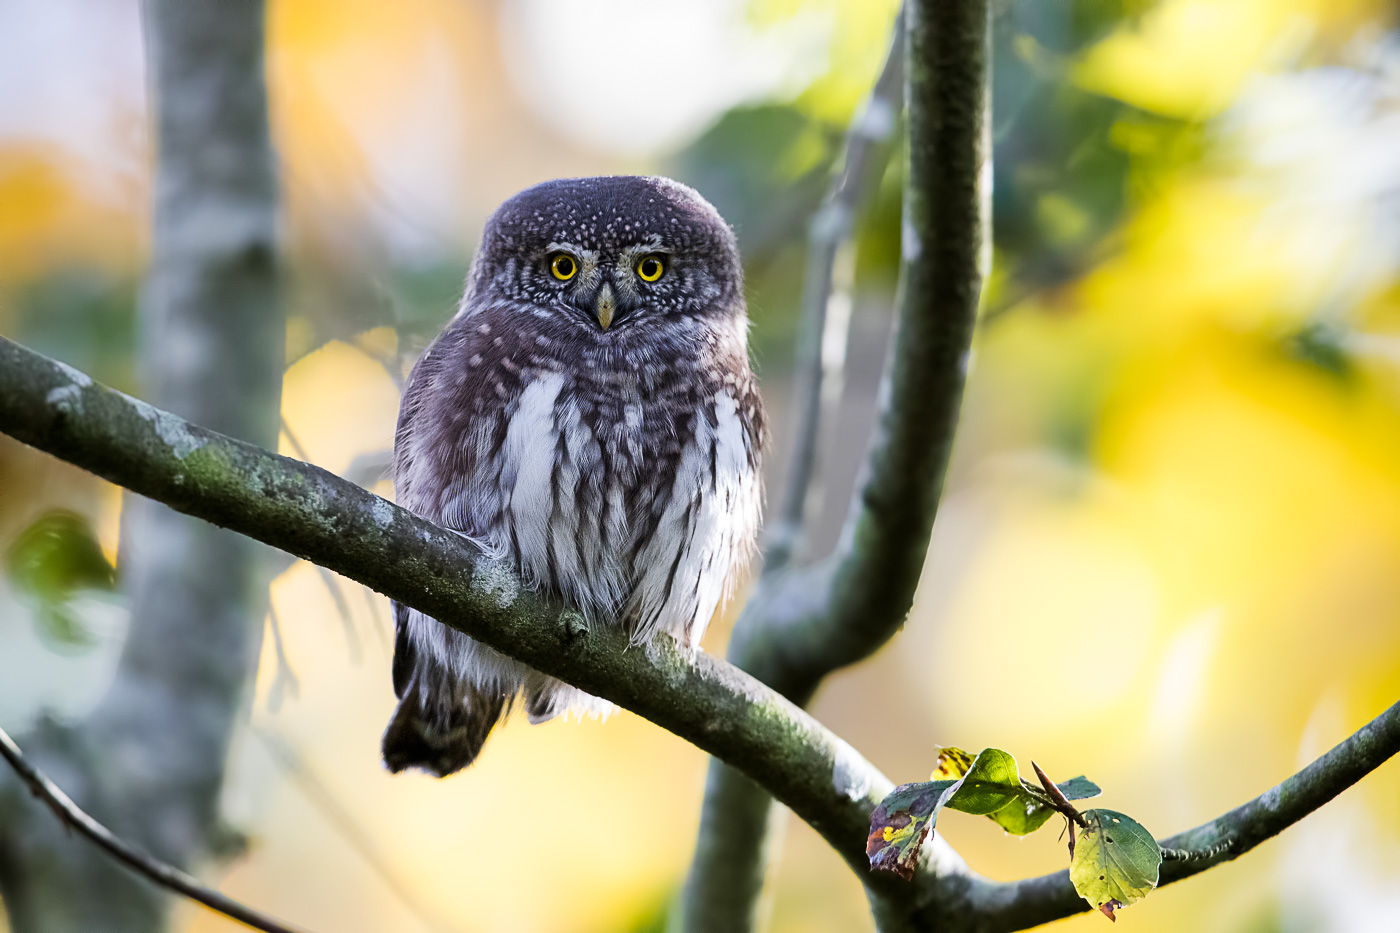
{"x":586,"y":255}
{"x":651,"y":244}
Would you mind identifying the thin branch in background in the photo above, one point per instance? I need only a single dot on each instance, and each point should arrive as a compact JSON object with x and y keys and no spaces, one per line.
{"x":378,"y":624}
{"x":285,"y":682}
{"x":294,"y":442}
{"x":391,"y":362}
{"x":153,"y":870}
{"x":343,"y":822}
{"x":821,"y":351}
{"x":342,"y":608}
{"x":368,"y":468}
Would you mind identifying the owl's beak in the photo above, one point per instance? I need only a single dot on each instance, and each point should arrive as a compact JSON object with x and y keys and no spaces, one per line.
{"x":605,"y":305}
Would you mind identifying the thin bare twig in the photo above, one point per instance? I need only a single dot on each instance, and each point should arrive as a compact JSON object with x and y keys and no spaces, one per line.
{"x":822,"y":337}
{"x":344,"y":823}
{"x":342,"y":610}
{"x":153,"y":870}
{"x":368,"y":468}
{"x":382,"y":629}
{"x":1061,"y":802}
{"x":285,"y":682}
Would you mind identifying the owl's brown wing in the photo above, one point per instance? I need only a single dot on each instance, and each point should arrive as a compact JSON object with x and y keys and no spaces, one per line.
{"x":449,"y":407}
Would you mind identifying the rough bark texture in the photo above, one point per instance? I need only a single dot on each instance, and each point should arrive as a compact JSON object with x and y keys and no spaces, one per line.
{"x":805,"y":623}
{"x":149,"y":760}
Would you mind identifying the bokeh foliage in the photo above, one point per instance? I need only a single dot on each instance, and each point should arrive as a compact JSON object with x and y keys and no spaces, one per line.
{"x":1181,"y":440}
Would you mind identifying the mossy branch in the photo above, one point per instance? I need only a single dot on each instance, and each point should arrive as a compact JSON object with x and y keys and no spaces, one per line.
{"x":320,"y":517}
{"x":315,"y":515}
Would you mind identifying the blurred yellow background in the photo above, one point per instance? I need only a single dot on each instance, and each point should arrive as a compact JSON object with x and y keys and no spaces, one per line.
{"x":1169,"y":555}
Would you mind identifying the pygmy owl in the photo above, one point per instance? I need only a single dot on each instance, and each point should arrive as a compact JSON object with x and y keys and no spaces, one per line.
{"x":588,"y":415}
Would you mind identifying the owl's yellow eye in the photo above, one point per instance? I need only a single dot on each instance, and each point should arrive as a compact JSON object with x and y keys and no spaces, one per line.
{"x":650,"y":268}
{"x":563,"y":266}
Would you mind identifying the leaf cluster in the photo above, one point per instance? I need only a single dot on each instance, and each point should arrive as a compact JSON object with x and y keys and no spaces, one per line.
{"x":1113,"y":862}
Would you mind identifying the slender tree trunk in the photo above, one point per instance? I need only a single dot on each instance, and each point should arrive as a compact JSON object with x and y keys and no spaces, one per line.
{"x":150,"y":759}
{"x":835,"y":613}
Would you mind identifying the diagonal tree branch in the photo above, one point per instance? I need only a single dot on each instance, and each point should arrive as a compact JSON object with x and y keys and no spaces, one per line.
{"x":347,"y":827}
{"x":718,"y":708}
{"x":320,"y":517}
{"x":804,"y":623}
{"x":868,"y":141}
{"x":1023,"y":904}
{"x":726,"y":877}
{"x":878,"y":563}
{"x":153,"y":870}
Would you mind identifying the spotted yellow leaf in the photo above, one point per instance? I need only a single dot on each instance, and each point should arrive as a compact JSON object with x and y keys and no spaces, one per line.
{"x":1116,"y":861}
{"x":953,"y":763}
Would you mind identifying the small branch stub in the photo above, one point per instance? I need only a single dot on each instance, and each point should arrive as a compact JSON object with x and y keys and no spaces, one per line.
{"x":1060,"y":801}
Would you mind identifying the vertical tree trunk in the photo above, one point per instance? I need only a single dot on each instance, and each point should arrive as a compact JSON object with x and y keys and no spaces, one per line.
{"x":150,"y":759}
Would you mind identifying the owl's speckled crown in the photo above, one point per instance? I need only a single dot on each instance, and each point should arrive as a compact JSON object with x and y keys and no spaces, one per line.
{"x":608,"y":212}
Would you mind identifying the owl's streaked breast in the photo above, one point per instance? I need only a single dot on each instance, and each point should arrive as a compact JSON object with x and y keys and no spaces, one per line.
{"x":634,"y":496}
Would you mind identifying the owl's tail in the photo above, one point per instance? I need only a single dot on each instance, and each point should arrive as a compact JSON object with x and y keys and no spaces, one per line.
{"x":440,"y":724}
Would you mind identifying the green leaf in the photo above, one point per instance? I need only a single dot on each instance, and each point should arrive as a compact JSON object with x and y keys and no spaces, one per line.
{"x":56,"y":556}
{"x":993,"y":787}
{"x":989,"y":785}
{"x":49,"y":563}
{"x":1079,"y":788}
{"x":1116,"y":861}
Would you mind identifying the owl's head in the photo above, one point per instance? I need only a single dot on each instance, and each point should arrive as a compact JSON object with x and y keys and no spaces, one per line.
{"x":610,"y":255}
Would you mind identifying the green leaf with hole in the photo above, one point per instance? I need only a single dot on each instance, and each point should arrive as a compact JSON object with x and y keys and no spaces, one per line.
{"x":1116,"y":861}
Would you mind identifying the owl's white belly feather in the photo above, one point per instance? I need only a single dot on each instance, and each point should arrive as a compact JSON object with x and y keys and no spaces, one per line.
{"x":542,"y":507}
